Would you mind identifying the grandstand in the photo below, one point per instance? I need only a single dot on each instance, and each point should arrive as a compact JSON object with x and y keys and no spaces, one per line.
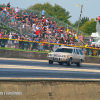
{"x":33,"y":25}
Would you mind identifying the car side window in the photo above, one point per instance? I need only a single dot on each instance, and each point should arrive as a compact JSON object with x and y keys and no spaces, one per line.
{"x":80,"y":51}
{"x":77,"y":52}
{"x":74,"y":51}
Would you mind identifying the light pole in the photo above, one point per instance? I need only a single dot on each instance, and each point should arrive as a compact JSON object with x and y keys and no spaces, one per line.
{"x":79,"y":20}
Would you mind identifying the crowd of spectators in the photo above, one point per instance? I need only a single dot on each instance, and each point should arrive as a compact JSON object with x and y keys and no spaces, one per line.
{"x":38,"y":29}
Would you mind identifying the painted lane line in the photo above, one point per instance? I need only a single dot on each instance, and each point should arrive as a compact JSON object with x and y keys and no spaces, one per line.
{"x":66,"y":79}
{"x":37,"y":60}
{"x":48,"y":68}
{"x":19,"y":59}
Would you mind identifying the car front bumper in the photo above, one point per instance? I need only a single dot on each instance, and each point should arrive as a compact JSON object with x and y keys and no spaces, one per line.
{"x":58,"y":59}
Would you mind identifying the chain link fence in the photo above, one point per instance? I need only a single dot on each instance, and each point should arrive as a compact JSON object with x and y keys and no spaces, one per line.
{"x":19,"y":26}
{"x":43,"y":46}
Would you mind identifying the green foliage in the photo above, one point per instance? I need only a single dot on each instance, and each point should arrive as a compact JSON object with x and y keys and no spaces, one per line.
{"x":83,"y":20}
{"x":37,"y":6}
{"x":89,"y":26}
{"x":3,"y":5}
{"x":55,"y":11}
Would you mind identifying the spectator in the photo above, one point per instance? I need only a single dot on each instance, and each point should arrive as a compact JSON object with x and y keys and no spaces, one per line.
{"x":1,"y":15}
{"x":23,"y":13}
{"x":40,"y":28}
{"x":8,"y":7}
{"x":27,"y":14}
{"x":4,"y":15}
{"x":17,"y":10}
{"x":76,"y":37}
{"x":10,"y":36}
{"x":81,"y":38}
{"x":0,"y":35}
{"x":43,"y":12}
{"x":98,"y":18}
{"x":5,"y":10}
{"x":13,"y":11}
{"x":36,"y":44}
{"x":51,"y":46}
{"x":13,"y":21}
{"x":1,"y":8}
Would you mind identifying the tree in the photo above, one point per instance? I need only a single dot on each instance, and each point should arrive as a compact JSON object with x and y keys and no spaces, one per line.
{"x":55,"y":11}
{"x":89,"y":26}
{"x":2,"y":5}
{"x":83,"y":20}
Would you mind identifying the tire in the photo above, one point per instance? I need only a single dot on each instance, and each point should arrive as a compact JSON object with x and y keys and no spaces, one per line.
{"x":79,"y":63}
{"x":60,"y":63}
{"x":50,"y":62}
{"x":69,"y":62}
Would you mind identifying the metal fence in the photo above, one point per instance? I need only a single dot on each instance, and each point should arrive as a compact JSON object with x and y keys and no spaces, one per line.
{"x":18,"y":26}
{"x":43,"y":46}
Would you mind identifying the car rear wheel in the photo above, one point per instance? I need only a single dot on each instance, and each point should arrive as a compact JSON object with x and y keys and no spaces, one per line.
{"x":60,"y":63}
{"x":50,"y":62}
{"x":69,"y":62}
{"x":79,"y":63}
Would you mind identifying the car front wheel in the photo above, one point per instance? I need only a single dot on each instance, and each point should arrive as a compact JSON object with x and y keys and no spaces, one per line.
{"x":69,"y":62}
{"x":79,"y":63}
{"x":50,"y":62}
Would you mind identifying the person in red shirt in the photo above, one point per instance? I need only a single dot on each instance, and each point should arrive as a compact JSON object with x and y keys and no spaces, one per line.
{"x":44,"y":45}
{"x":98,"y":18}
{"x":37,"y":33}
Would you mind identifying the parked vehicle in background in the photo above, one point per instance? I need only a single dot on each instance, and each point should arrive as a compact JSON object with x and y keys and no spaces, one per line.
{"x":68,"y":55}
{"x":95,"y":39}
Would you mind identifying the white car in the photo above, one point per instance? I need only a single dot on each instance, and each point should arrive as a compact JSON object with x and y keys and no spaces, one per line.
{"x":67,"y":55}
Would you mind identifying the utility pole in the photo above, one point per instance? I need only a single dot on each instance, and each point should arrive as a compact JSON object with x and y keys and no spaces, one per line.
{"x":0,"y":23}
{"x":79,"y":20}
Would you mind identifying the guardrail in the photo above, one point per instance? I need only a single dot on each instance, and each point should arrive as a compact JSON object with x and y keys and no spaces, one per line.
{"x":43,"y":46}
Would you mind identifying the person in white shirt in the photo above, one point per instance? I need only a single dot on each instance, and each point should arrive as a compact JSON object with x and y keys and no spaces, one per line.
{"x":10,"y":36}
{"x":17,"y":10}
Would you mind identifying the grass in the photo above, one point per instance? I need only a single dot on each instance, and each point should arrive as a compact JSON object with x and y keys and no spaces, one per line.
{"x":24,"y":50}
{"x":92,"y":56}
{"x":35,"y":51}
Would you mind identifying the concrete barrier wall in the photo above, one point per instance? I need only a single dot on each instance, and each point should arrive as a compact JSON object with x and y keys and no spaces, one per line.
{"x":49,"y":90}
{"x":37,"y":55}
{"x":22,"y":54}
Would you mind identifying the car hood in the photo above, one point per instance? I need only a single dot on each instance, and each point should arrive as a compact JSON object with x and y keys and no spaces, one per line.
{"x":60,"y":53}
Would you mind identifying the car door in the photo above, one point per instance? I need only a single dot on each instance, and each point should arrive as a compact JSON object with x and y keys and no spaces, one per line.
{"x":74,"y":56}
{"x":81,"y":54}
{"x":77,"y":55}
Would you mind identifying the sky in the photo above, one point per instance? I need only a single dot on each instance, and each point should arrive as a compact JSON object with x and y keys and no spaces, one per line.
{"x":91,"y":8}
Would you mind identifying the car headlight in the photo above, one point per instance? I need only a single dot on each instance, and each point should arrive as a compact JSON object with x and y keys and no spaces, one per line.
{"x":62,"y":55}
{"x":50,"y":54}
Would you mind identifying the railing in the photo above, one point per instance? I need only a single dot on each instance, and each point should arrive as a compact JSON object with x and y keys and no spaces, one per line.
{"x":58,"y":22}
{"x":17,"y":26}
{"x":43,"y":46}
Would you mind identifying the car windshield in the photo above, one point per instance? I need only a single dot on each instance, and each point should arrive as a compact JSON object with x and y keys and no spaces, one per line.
{"x":68,"y":50}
